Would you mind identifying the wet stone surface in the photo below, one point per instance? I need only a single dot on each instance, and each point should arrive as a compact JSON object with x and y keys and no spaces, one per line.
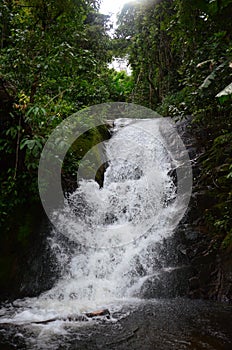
{"x":155,"y":324}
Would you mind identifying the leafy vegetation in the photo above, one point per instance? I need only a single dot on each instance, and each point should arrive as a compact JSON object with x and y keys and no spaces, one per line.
{"x":54,"y":61}
{"x":181,"y":55}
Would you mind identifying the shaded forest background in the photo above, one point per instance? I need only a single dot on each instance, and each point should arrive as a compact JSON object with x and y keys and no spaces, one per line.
{"x":54,"y":61}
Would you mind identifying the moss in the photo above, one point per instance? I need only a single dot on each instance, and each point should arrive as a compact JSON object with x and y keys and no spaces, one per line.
{"x":76,"y":153}
{"x":227,"y":242}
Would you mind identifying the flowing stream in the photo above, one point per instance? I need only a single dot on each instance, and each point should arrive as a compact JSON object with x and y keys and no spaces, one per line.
{"x":106,"y":246}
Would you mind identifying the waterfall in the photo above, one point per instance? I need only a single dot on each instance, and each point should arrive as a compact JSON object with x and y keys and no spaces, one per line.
{"x":111,"y":232}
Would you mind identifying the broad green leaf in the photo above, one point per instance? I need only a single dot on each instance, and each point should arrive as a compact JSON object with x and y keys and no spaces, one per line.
{"x":226,"y":91}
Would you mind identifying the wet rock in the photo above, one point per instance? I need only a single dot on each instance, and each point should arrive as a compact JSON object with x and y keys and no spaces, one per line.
{"x":27,"y":267}
{"x":212,"y":277}
{"x":194,"y":282}
{"x":211,"y":266}
{"x":177,"y":324}
{"x":225,"y":277}
{"x":168,"y":283}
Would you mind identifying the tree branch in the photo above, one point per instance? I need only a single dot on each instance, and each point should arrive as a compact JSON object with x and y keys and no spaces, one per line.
{"x":17,"y":148}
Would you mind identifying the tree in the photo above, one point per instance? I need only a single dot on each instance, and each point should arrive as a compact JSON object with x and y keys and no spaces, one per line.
{"x":180,"y":52}
{"x":54,"y":57}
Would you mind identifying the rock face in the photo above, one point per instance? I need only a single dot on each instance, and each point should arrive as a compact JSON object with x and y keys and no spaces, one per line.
{"x":200,"y":267}
{"x":168,"y":283}
{"x":211,"y":265}
{"x":212,"y":268}
{"x":27,"y":266}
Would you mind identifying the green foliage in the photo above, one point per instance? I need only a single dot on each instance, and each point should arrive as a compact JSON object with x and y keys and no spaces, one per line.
{"x":225,"y":94}
{"x":217,"y":167}
{"x":177,"y":104}
{"x":126,"y":29}
{"x":55,"y":55}
{"x":120,"y":86}
{"x":181,"y":53}
{"x":227,"y":242}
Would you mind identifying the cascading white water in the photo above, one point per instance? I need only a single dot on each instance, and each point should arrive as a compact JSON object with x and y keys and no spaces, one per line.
{"x":107,"y":241}
{"x":113,"y":229}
